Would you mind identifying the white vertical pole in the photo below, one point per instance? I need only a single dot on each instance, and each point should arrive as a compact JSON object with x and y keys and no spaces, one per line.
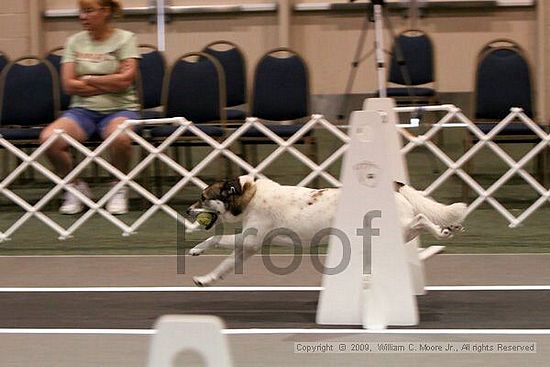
{"x":380,"y":64}
{"x":36,"y":34}
{"x":284,"y":13}
{"x":161,"y":33}
{"x":543,"y":79}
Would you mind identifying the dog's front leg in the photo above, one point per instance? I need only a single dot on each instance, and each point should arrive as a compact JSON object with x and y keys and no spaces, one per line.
{"x":241,"y":253}
{"x":223,"y":240}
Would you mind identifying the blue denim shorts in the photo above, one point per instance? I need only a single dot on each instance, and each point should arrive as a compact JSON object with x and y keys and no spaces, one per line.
{"x":93,"y":123}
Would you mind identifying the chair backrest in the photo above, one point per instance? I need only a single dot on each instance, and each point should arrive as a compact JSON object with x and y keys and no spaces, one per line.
{"x":194,"y":88}
{"x":152,"y":68}
{"x":233,"y":61}
{"x":503,"y":80}
{"x":281,"y":86}
{"x":4,"y":60}
{"x":54,"y":57}
{"x":412,"y":54}
{"x":29,"y":92}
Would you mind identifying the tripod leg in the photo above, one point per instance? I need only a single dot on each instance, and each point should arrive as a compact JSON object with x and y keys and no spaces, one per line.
{"x":353,"y":71}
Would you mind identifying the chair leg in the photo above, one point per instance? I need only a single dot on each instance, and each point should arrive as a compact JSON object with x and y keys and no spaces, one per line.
{"x":177,"y":155}
{"x":227,"y":163}
{"x":30,"y":173}
{"x":146,"y":178}
{"x":468,"y":168}
{"x":188,"y":157}
{"x":433,"y":161}
{"x":311,"y":144}
{"x":242,"y":155}
{"x":158,"y":179}
{"x":5,"y":163}
{"x":540,"y":165}
{"x":546,"y":157}
{"x":251,"y":159}
{"x":254,"y":155}
{"x":227,"y":166}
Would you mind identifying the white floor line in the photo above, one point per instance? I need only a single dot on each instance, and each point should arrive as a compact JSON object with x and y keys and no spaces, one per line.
{"x":488,"y":288}
{"x":389,"y":331}
{"x":255,"y":289}
{"x":2,"y":257}
{"x":321,"y":255}
{"x":52,"y":331}
{"x":156,"y":289}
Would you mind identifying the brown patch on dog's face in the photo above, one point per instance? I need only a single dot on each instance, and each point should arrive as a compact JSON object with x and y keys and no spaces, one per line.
{"x":227,"y":196}
{"x":239,"y":203}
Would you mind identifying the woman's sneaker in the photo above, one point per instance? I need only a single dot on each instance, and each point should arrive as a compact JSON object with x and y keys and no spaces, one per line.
{"x":118,"y":203}
{"x":71,"y":204}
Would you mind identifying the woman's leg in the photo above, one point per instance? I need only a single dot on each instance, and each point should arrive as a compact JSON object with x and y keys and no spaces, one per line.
{"x":58,"y":153}
{"x":121,"y":154}
{"x":121,"y":148}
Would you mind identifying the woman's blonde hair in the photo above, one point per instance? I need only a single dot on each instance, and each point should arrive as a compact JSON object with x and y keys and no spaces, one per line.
{"x":114,"y":5}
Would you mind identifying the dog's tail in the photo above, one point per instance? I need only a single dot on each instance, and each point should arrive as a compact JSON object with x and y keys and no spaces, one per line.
{"x":440,"y":214}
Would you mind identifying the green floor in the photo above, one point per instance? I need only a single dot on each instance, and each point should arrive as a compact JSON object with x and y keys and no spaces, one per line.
{"x":486,"y":230}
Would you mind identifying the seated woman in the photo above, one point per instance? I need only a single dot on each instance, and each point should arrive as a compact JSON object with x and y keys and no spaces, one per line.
{"x":98,"y":70}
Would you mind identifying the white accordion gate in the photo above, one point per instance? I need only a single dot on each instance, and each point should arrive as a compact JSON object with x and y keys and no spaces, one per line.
{"x":190,"y":176}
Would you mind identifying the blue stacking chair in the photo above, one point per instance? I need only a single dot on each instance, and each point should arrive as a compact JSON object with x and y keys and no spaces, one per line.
{"x":4,"y":60}
{"x":411,"y":77}
{"x":503,"y":80}
{"x":152,"y":69}
{"x":29,"y":98}
{"x":281,"y":86}
{"x":194,"y":88}
{"x":233,"y":62}
{"x":54,"y":56}
{"x":281,"y":98}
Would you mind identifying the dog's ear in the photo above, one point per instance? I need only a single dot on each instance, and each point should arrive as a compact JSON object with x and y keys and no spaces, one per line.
{"x":238,"y":203}
{"x":231,"y":188}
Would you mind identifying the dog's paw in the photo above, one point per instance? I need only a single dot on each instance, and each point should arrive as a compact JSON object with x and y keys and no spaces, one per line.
{"x":456,"y":228}
{"x":195,"y":251}
{"x":204,"y":280}
{"x":446,"y":233}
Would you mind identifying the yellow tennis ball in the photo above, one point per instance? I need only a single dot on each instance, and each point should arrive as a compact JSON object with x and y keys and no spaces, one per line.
{"x":204,"y":219}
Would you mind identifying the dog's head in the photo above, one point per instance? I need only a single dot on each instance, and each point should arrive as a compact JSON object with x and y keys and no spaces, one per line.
{"x":228,"y":198}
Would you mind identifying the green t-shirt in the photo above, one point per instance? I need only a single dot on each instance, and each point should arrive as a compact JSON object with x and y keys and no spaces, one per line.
{"x":101,"y":58}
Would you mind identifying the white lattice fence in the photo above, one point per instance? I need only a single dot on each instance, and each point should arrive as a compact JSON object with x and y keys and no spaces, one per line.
{"x":188,"y":176}
{"x":222,"y":148}
{"x":453,"y":114}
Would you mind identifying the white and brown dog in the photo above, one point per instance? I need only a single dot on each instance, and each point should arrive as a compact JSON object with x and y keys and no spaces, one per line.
{"x":263,"y":205}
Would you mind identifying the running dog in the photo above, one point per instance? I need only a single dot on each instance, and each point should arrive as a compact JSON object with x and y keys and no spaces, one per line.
{"x":263,"y":205}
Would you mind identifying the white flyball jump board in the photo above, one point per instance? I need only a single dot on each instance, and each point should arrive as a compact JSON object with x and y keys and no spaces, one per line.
{"x":374,"y":288}
{"x":398,"y":166}
{"x":198,"y":334}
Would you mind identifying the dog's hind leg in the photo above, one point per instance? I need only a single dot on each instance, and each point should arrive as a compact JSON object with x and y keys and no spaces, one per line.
{"x":421,"y":222}
{"x":222,"y":241}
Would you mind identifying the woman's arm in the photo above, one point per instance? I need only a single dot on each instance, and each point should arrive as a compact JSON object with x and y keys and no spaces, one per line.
{"x":73,"y":85}
{"x":116,"y":82}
